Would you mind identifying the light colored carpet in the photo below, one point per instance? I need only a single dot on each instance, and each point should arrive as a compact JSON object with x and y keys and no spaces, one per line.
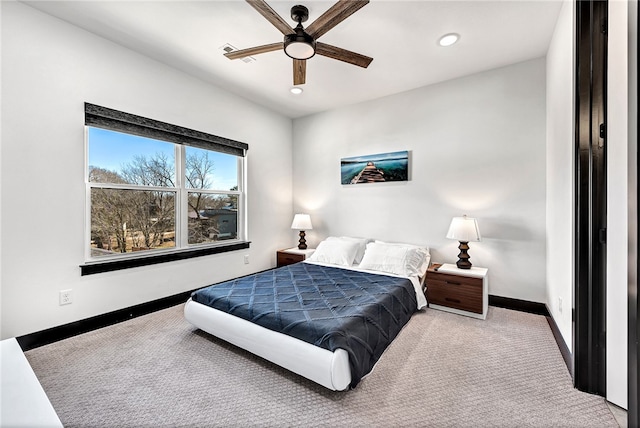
{"x":443,"y":370}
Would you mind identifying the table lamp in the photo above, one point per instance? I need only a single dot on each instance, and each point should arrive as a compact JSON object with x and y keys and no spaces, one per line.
{"x":464,"y":229}
{"x":302,"y":222}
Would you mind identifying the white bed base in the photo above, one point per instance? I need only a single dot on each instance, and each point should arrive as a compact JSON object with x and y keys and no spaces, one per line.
{"x":329,"y":369}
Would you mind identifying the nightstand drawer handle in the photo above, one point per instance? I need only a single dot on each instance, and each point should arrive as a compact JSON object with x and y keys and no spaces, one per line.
{"x":449,"y":299}
{"x":452,"y":282}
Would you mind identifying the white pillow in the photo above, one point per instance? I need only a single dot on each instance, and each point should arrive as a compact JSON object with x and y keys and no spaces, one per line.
{"x":362,"y":245}
{"x":405,"y":260}
{"x":335,"y":252}
{"x":427,"y":259}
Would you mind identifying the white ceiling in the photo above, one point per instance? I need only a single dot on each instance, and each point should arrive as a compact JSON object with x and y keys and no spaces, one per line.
{"x":401,"y":36}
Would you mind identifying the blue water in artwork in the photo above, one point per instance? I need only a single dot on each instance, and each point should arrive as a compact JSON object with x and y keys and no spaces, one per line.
{"x":393,"y":169}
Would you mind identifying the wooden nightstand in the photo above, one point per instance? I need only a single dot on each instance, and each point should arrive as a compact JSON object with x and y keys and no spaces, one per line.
{"x":291,"y":256}
{"x":461,"y":291}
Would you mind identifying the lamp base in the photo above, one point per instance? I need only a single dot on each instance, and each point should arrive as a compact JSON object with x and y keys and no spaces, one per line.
{"x":463,"y":258}
{"x":302,"y":243}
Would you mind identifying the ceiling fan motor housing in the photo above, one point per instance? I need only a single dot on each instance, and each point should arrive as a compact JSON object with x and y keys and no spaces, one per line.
{"x":299,"y":45}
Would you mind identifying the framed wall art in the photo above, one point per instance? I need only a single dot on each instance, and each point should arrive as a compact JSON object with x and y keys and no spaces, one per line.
{"x":383,"y":167}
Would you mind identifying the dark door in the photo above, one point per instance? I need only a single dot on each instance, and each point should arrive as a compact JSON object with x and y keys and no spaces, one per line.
{"x":590,"y":251}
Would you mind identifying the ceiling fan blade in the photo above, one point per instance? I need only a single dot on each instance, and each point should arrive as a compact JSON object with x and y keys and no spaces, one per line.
{"x":265,"y":10}
{"x":333,"y":16}
{"x":343,"y":55}
{"x":299,"y":71}
{"x":243,"y":53}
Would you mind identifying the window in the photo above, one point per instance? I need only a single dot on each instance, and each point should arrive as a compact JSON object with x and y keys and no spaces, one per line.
{"x":158,"y":189}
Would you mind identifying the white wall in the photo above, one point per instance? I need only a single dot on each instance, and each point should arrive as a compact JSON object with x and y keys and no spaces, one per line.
{"x":560,"y":173}
{"x":617,"y":202}
{"x":477,"y":147}
{"x":49,"y":69}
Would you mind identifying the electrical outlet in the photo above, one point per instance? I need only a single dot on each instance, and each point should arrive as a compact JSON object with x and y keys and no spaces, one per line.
{"x":560,"y":304}
{"x":65,"y":297}
{"x":246,"y":259}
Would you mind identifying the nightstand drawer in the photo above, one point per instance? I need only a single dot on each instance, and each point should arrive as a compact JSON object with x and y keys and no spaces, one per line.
{"x":458,"y":295}
{"x":285,"y":259}
{"x":446,"y":278}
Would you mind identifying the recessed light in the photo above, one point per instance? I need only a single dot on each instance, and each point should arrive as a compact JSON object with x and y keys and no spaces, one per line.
{"x":448,"y":39}
{"x":295,"y":90}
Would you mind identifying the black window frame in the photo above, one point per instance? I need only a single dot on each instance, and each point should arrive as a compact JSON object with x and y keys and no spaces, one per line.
{"x":116,"y":120}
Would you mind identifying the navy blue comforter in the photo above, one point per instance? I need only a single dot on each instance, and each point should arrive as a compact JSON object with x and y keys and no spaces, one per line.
{"x":329,"y":307}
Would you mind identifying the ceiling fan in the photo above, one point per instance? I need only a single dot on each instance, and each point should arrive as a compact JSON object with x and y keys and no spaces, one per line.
{"x":300,"y":43}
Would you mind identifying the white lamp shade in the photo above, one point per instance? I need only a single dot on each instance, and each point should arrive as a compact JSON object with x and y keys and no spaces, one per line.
{"x":464,"y":229}
{"x":301,"y":222}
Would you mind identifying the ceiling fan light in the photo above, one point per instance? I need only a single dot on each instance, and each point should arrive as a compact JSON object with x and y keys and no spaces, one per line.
{"x":299,"y":45}
{"x":296,"y":90}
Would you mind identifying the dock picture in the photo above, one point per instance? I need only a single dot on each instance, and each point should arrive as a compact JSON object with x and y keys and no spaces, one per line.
{"x":383,"y":167}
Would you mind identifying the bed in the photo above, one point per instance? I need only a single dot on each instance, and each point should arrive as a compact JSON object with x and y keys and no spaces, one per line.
{"x":329,"y":318}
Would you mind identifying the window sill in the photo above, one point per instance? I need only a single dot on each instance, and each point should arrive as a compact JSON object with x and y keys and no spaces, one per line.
{"x":113,"y":265}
